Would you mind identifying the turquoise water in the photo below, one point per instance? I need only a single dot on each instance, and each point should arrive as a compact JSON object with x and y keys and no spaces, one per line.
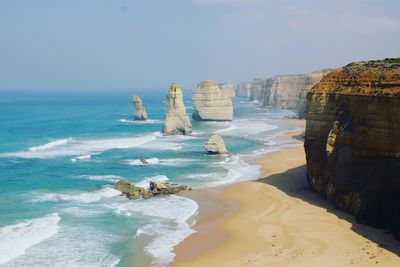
{"x":61,"y":152}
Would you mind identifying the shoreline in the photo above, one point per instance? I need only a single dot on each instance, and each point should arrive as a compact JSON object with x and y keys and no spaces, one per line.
{"x":278,"y":221}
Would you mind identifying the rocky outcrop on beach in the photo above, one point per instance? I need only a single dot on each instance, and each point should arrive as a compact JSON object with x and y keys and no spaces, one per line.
{"x":176,"y":119}
{"x":285,"y":91}
{"x":210,"y":103}
{"x":352,"y":141}
{"x":130,"y":190}
{"x":156,"y":188}
{"x":138,"y":109}
{"x":215,"y":145}
{"x":228,"y":89}
{"x":243,"y":89}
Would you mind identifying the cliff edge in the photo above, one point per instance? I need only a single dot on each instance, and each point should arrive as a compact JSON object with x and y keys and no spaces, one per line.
{"x":352,"y":141}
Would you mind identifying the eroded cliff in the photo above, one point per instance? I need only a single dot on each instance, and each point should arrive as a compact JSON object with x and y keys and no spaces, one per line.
{"x":285,"y":91}
{"x":352,"y":141}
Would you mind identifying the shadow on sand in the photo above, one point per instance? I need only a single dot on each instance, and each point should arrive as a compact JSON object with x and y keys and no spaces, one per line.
{"x":294,"y":183}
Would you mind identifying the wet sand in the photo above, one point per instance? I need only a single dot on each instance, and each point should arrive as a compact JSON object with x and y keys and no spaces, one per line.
{"x":278,"y":221}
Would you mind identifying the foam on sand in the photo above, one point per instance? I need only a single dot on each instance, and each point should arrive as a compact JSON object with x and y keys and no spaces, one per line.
{"x":169,"y":223}
{"x":17,"y":238}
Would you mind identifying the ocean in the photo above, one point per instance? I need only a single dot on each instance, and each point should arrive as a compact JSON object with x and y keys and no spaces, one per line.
{"x":61,"y":152}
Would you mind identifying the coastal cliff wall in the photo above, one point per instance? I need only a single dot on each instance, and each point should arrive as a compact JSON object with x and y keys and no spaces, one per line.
{"x":243,"y":89}
{"x":352,"y":141}
{"x":284,"y":91}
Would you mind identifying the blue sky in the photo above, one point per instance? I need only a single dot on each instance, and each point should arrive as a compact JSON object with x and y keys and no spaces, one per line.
{"x":122,"y":44}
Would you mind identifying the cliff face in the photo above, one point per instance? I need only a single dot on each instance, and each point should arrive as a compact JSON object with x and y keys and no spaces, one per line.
{"x":176,"y":119}
{"x":256,"y":89}
{"x":138,"y":109}
{"x":210,"y":103}
{"x":289,"y":91}
{"x":243,"y":89}
{"x":352,"y":141}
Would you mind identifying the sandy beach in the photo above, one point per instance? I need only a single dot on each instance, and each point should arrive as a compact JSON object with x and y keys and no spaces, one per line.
{"x":278,"y":221}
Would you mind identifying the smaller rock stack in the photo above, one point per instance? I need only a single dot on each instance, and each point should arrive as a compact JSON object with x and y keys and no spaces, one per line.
{"x":138,"y":109}
{"x":216,"y":145}
{"x":211,"y":104}
{"x":176,"y":119}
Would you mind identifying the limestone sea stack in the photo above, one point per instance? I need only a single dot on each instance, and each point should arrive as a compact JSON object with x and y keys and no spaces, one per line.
{"x":138,"y":109}
{"x":228,"y":89}
{"x":176,"y":119}
{"x":211,"y":104}
{"x":216,"y":145}
{"x":352,"y":141}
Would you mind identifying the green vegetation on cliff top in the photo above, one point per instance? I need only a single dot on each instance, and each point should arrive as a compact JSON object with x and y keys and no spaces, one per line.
{"x":385,"y":62}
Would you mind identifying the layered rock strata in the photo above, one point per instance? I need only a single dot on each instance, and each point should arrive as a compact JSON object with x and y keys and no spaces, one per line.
{"x":215,"y":145}
{"x":285,"y":91}
{"x":138,"y":109}
{"x":176,"y":119}
{"x":352,"y":141}
{"x":209,"y":103}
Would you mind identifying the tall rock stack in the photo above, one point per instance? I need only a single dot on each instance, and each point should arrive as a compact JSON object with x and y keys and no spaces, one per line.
{"x":138,"y":109}
{"x":228,"y":89}
{"x":352,"y":141}
{"x":176,"y":119}
{"x":211,"y":104}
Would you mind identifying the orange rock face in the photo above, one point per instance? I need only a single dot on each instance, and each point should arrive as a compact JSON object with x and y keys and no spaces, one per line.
{"x":352,"y":141}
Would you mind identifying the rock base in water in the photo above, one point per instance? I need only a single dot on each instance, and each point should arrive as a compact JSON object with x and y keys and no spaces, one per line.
{"x":215,"y":145}
{"x":138,"y":109}
{"x":132,"y":191}
{"x":176,"y":120}
{"x":210,"y":103}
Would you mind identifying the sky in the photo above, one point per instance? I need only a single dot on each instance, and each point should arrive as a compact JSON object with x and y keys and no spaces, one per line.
{"x":146,"y":45}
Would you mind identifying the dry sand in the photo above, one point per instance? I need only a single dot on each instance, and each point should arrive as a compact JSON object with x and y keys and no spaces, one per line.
{"x":278,"y":221}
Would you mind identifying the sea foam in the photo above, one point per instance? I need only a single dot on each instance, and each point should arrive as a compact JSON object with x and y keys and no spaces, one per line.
{"x":83,"y":147}
{"x":86,"y":197}
{"x":169,"y":223}
{"x":17,"y":238}
{"x":145,"y":183}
